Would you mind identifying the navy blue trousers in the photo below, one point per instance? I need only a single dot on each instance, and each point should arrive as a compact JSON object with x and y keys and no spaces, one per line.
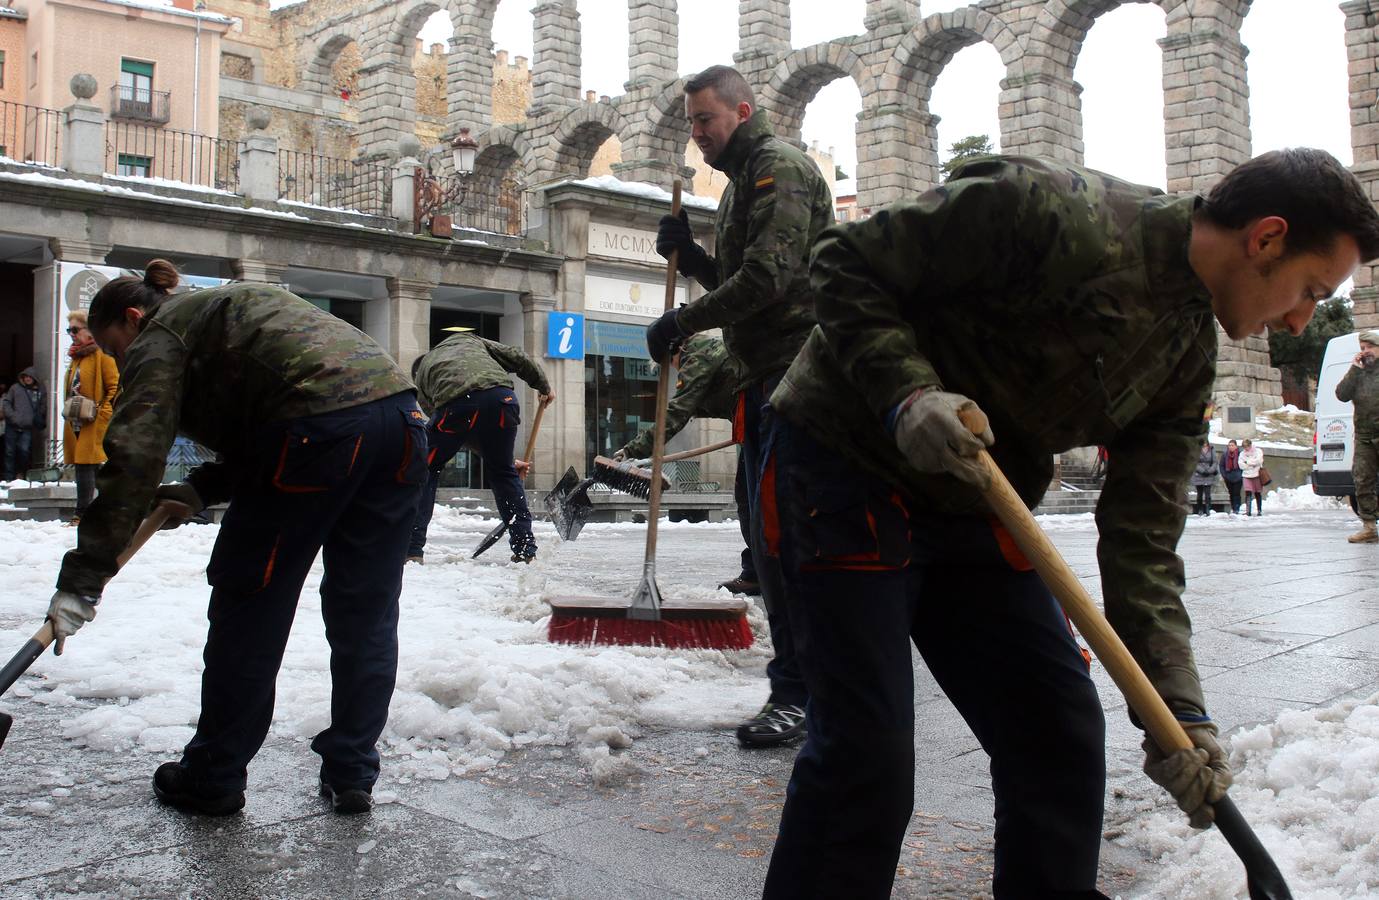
{"x":783,"y":671}
{"x":18,"y":452}
{"x":488,"y":420}
{"x":867,"y":578}
{"x":345,"y":484}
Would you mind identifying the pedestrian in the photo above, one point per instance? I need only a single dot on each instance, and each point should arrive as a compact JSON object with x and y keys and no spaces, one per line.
{"x":25,"y":409}
{"x":1360,"y":387}
{"x":89,"y":392}
{"x":463,"y":383}
{"x":1074,"y":310}
{"x":1251,"y":462}
{"x":1203,"y":477}
{"x":706,"y":388}
{"x":1230,"y":473}
{"x":775,"y":205}
{"x":322,"y":449}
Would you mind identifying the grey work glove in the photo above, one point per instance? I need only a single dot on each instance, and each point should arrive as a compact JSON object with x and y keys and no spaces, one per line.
{"x":68,"y":612}
{"x":933,"y":438}
{"x":1196,"y":778}
{"x":620,"y":454}
{"x":182,"y":502}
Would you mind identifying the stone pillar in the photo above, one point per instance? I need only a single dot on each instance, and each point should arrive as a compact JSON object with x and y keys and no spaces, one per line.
{"x":1041,"y":115}
{"x":258,"y":270}
{"x":406,"y":332}
{"x":1207,"y":133}
{"x":897,"y":155}
{"x":569,"y":239}
{"x":404,"y":194}
{"x":79,"y":251}
{"x":83,"y":139}
{"x":555,"y":56}
{"x":258,"y":168}
{"x":763,"y":36}
{"x":567,"y":380}
{"x":385,"y":112}
{"x":653,"y":44}
{"x":890,"y":12}
{"x":1362,"y":49}
{"x":469,"y":75}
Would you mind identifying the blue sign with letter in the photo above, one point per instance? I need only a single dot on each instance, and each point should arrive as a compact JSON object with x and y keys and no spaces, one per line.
{"x":564,"y":335}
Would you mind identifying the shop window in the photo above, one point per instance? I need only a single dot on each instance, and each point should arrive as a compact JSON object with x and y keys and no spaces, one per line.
{"x":619,"y":400}
{"x":135,"y":166}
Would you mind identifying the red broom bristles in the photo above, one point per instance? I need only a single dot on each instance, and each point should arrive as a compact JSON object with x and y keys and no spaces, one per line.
{"x":619,"y":631}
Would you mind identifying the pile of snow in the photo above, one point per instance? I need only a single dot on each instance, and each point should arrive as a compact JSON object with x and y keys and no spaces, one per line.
{"x":644,"y":190}
{"x":477,"y":676}
{"x":1301,"y":498}
{"x":1308,"y":785}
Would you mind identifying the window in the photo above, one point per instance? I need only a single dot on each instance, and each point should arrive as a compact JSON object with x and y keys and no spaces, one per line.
{"x":136,"y":166}
{"x":136,"y":81}
{"x":2,"y":68}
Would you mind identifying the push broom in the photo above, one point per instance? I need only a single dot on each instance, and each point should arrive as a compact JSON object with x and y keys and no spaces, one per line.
{"x":647,"y":619}
{"x":1263,"y":878}
{"x":632,"y":477}
{"x":33,"y":648}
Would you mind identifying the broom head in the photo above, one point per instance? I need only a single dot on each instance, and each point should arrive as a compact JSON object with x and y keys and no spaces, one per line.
{"x":715,"y":624}
{"x":626,"y":477}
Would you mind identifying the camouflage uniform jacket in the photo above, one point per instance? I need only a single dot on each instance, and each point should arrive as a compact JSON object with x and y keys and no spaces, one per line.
{"x":215,"y":365}
{"x":1361,"y":387}
{"x":706,"y":388}
{"x":1062,"y":302}
{"x":774,"y":207}
{"x":466,"y":362}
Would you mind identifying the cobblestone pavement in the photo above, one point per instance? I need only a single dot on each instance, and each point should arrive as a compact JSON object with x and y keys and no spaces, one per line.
{"x":1287,"y":616}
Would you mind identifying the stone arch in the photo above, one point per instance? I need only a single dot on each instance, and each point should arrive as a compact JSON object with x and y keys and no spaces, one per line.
{"x":500,"y":149}
{"x":1062,"y":25}
{"x":319,"y":54}
{"x":924,"y":52}
{"x":580,"y":134}
{"x":798,"y":77}
{"x":669,"y":130}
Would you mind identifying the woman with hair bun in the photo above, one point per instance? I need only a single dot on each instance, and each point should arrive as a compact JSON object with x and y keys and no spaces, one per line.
{"x":322,"y":448}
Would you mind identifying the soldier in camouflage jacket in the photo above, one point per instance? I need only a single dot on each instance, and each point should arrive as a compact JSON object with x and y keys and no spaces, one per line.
{"x":1075,"y":310}
{"x":321,"y":444}
{"x":775,"y":205}
{"x":1360,"y":387}
{"x":464,"y":383}
{"x":706,"y":388}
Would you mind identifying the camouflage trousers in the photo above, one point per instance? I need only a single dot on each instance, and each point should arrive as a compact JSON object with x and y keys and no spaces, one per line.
{"x":1365,"y":470}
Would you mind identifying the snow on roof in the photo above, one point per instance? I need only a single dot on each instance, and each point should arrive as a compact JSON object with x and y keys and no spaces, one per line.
{"x":640,"y":189}
{"x":77,"y":184}
{"x":169,"y":8}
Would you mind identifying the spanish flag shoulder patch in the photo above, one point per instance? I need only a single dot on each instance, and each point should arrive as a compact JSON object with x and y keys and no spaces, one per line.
{"x":767,"y":182}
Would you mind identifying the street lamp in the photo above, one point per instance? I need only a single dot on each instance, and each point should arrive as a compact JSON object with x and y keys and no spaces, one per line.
{"x":430,"y":194}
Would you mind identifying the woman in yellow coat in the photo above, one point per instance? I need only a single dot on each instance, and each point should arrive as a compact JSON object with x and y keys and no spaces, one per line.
{"x":93,"y":375}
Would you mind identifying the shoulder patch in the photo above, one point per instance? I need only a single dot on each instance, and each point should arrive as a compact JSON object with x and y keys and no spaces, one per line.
{"x":765,"y":183}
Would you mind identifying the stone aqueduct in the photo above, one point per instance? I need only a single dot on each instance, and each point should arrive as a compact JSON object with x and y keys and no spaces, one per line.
{"x":894,"y":63}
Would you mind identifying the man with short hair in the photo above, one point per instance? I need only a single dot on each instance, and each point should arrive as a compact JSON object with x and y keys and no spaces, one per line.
{"x":775,"y":205}
{"x":1074,"y":310}
{"x":1360,"y":387}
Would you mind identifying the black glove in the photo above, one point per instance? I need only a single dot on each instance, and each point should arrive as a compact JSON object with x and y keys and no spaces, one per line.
{"x":664,"y":336}
{"x":674,"y":234}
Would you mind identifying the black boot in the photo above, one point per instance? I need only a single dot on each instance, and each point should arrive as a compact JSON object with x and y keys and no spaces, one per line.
{"x":175,"y":785}
{"x":347,"y":801}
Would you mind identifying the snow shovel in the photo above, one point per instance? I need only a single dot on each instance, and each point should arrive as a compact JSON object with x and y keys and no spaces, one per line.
{"x":1263,"y":878}
{"x":492,"y":537}
{"x":568,"y":504}
{"x":35,"y":646}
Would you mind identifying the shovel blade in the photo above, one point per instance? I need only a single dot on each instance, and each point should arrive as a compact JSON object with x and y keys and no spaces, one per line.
{"x":568,"y":505}
{"x":6,"y":720}
{"x":489,"y":539}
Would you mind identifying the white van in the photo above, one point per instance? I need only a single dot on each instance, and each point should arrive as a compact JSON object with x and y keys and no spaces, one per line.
{"x":1333,"y":443}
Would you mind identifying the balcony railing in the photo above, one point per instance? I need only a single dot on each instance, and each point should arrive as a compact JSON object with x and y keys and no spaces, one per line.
{"x":496,"y":208}
{"x":178,"y":156}
{"x":30,"y":133}
{"x":140,"y":104}
{"x":352,"y":185}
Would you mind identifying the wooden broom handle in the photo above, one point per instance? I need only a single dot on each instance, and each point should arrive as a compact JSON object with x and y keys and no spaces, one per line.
{"x":697,"y":451}
{"x":658,"y":444}
{"x":531,"y":438}
{"x":1158,"y":719}
{"x":147,"y":529}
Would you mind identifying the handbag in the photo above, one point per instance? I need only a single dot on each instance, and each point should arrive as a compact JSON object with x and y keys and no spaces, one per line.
{"x":79,"y":409}
{"x":1265,"y":478}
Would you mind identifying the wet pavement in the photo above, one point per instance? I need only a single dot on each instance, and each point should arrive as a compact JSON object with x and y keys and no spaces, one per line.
{"x":1287,"y":615}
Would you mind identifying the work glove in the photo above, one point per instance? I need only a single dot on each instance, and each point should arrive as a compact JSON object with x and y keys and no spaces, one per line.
{"x":620,"y":454}
{"x":181,"y":500}
{"x":68,"y":612}
{"x":673,"y":234}
{"x":933,"y":438}
{"x":664,"y":336}
{"x":1196,"y":778}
